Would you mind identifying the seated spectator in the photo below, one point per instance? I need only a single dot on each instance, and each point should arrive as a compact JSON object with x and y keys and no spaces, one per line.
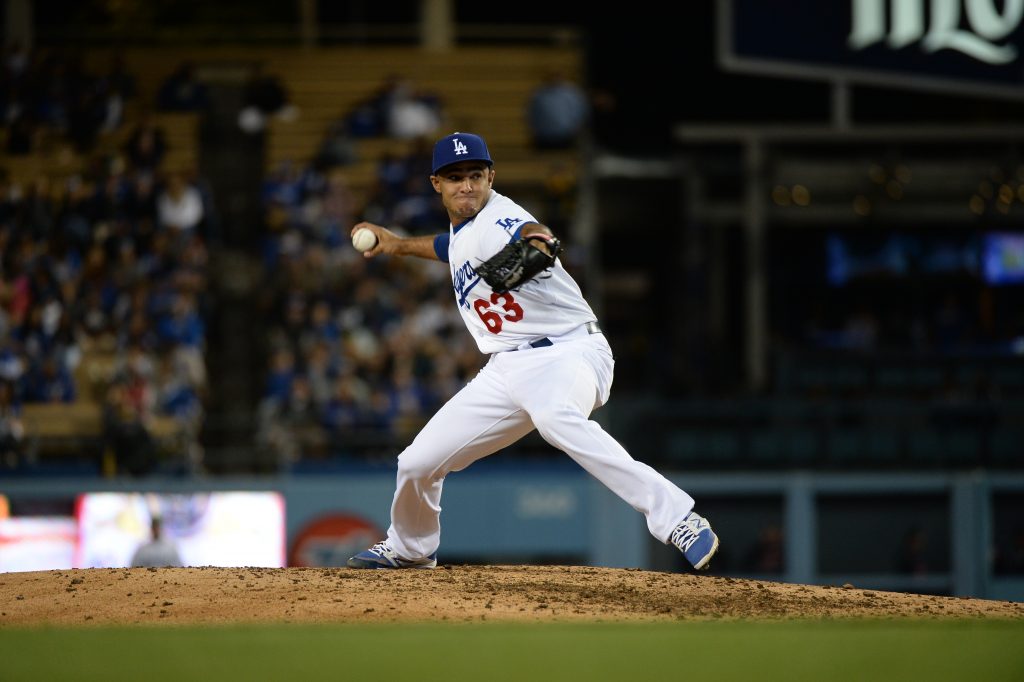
{"x":336,"y":205}
{"x":146,"y":146}
{"x":412,"y":113}
{"x":12,"y":430}
{"x":264,"y":96}
{"x":292,"y":428}
{"x":92,"y":315}
{"x":282,"y":374}
{"x":182,"y":91}
{"x":182,"y":326}
{"x":49,"y":381}
{"x":126,"y":432}
{"x":417,"y":209}
{"x":88,"y":110}
{"x":336,"y":149}
{"x":369,"y":117}
{"x":557,"y":113}
{"x":178,"y":397}
{"x":343,"y":412}
{"x":392,"y":173}
{"x":118,"y":78}
{"x":283,"y":186}
{"x":179,"y":206}
{"x":44,"y":333}
{"x":12,"y":365}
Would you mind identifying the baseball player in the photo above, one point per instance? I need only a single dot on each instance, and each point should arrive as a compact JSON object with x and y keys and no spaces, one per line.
{"x":549,"y":367}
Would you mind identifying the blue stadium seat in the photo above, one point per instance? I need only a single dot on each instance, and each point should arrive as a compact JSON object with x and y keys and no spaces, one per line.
{"x":845,"y":445}
{"x":790,"y":446}
{"x":1006,"y":447}
{"x":946,"y":446}
{"x":702,"y":446}
{"x":863,"y":446}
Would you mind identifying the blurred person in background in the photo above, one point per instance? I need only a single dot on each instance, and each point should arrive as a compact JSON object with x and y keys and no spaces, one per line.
{"x":182,"y":91}
{"x":412,"y":112}
{"x":12,"y":430}
{"x":146,"y":146}
{"x":179,"y":205}
{"x":126,"y":431}
{"x":49,"y":381}
{"x":158,"y":551}
{"x":557,"y":112}
{"x":264,"y":96}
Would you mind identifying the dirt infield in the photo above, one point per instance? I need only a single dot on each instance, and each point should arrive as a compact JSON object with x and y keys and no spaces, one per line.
{"x":454,"y":593}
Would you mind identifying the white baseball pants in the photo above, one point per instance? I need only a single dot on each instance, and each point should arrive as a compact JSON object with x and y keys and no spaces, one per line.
{"x":553,"y":389}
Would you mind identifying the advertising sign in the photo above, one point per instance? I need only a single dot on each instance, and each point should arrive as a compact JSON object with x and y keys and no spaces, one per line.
{"x":959,"y":46}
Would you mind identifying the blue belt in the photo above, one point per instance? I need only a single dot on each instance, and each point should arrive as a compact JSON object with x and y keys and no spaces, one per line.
{"x":592,"y":328}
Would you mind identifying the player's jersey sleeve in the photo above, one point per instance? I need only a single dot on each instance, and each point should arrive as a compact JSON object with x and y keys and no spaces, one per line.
{"x":441,"y":243}
{"x":519,"y":230}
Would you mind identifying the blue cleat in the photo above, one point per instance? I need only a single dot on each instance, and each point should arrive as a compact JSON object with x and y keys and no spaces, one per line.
{"x":695,"y":540}
{"x":382,"y":556}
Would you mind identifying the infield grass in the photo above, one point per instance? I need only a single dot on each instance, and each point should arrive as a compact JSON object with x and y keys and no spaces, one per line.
{"x":804,"y":650}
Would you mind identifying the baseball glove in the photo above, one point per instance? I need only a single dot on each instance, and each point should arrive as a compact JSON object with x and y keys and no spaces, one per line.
{"x":518,"y":262}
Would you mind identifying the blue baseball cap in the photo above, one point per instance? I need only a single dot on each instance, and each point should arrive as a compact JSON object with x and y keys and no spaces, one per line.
{"x":460,"y":147}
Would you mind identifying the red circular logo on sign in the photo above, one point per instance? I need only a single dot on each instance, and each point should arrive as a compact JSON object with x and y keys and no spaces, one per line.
{"x":330,"y":540}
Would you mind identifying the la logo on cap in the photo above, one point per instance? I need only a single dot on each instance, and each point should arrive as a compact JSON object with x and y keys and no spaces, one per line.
{"x":459,"y":147}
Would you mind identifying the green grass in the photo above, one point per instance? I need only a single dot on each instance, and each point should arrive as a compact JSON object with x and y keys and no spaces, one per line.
{"x":717,"y":651}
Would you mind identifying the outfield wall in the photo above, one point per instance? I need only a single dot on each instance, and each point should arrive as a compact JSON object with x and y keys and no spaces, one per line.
{"x":930,"y":533}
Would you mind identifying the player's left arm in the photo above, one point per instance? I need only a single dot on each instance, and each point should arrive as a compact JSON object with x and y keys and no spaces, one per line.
{"x":522,"y":259}
{"x":543,"y":231}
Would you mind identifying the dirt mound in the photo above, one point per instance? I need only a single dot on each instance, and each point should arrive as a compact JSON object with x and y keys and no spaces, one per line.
{"x":454,"y":593}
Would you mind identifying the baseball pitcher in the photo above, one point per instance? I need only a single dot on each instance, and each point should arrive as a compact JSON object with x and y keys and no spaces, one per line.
{"x":550,"y":367}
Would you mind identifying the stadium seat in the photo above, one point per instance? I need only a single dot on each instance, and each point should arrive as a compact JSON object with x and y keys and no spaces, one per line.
{"x":945,"y":447}
{"x":707,"y":447}
{"x":785,"y":447}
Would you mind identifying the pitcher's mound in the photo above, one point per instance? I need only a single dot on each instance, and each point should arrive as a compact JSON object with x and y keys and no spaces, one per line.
{"x":454,"y":593}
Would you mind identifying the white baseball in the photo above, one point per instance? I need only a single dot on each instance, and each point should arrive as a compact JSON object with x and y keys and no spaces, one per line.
{"x":364,"y":239}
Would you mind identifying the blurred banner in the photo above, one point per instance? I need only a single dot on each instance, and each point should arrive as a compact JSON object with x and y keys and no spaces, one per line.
{"x":37,"y":543}
{"x":207,"y":529}
{"x":961,"y":46}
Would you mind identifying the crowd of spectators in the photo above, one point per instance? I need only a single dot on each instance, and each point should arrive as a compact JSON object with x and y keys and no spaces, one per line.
{"x":107,"y":266}
{"x":51,"y":94}
{"x":360,"y":351}
{"x":398,"y":109}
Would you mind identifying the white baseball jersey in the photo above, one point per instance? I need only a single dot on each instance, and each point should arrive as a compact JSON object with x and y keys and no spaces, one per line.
{"x":550,"y":305}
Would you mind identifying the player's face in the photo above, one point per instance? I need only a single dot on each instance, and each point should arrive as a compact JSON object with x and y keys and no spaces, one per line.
{"x":464,"y":188}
